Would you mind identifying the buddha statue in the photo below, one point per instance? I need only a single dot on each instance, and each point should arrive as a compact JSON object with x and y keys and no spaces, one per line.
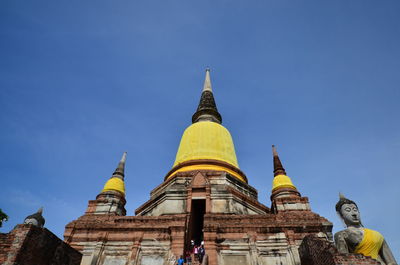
{"x":35,"y":219}
{"x":357,"y":239}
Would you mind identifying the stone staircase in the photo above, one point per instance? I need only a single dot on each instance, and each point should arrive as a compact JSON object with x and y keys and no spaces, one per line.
{"x":196,"y":262}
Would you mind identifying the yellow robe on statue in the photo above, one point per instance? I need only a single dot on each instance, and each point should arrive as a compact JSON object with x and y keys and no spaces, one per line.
{"x":370,"y":244}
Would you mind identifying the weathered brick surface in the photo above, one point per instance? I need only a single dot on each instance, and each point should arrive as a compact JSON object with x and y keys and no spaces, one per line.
{"x":31,"y":245}
{"x":318,"y":251}
{"x":5,"y":245}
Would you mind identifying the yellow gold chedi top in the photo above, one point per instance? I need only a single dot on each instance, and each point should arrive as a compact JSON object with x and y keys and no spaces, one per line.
{"x":206,"y":140}
{"x":282,"y":181}
{"x":115,"y":184}
{"x":206,"y":144}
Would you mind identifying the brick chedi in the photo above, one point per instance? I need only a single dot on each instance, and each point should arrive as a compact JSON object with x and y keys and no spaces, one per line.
{"x":204,"y":197}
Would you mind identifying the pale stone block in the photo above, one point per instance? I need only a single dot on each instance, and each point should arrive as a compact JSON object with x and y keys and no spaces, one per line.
{"x":86,"y":260}
{"x":268,"y":260}
{"x":235,"y":259}
{"x":237,"y":208}
{"x":114,"y":260}
{"x":102,"y":208}
{"x":290,"y":206}
{"x":152,"y":260}
{"x":219,"y":206}
{"x":173,"y":206}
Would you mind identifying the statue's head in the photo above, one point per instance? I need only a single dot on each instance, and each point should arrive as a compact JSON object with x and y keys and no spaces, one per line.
{"x":31,"y":221}
{"x":35,"y":219}
{"x":348,"y":211}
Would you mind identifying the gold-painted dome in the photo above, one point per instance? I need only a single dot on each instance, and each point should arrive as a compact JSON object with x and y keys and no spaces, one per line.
{"x":206,"y":140}
{"x":207,"y":145}
{"x":115,"y":184}
{"x":282,"y":181}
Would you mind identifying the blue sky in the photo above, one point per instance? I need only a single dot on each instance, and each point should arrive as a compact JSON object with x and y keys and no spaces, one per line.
{"x":83,"y":81}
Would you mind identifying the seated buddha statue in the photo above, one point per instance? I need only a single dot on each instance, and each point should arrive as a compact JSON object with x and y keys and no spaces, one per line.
{"x":358,"y":239}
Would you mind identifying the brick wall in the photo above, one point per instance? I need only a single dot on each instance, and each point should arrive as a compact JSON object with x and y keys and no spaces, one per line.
{"x":31,"y":245}
{"x":6,"y":241}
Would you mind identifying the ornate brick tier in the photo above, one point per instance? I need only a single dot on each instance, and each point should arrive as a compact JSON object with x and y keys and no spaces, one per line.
{"x":236,"y":228}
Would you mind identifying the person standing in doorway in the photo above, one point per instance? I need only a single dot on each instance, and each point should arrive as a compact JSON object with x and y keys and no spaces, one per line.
{"x":202,"y":252}
{"x":196,"y":252}
{"x":188,"y":258}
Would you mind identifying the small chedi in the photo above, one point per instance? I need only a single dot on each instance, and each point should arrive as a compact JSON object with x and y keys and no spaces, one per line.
{"x":358,"y":239}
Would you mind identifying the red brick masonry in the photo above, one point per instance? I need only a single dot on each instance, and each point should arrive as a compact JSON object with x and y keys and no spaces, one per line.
{"x":31,"y":245}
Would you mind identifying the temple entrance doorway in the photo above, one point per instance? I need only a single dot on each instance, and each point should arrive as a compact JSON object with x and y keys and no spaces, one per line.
{"x":196,"y":222}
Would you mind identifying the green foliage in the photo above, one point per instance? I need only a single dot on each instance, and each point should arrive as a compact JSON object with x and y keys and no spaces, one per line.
{"x":3,"y":217}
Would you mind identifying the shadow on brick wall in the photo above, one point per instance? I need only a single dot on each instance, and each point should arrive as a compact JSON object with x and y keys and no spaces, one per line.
{"x":31,"y":245}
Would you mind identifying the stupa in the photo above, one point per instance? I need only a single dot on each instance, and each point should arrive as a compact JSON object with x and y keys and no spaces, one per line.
{"x":205,"y":197}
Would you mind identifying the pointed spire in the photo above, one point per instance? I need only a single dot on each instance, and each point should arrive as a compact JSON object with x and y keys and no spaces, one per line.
{"x":207,"y":109}
{"x":120,"y":170}
{"x":207,"y":81}
{"x":278,"y":168}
